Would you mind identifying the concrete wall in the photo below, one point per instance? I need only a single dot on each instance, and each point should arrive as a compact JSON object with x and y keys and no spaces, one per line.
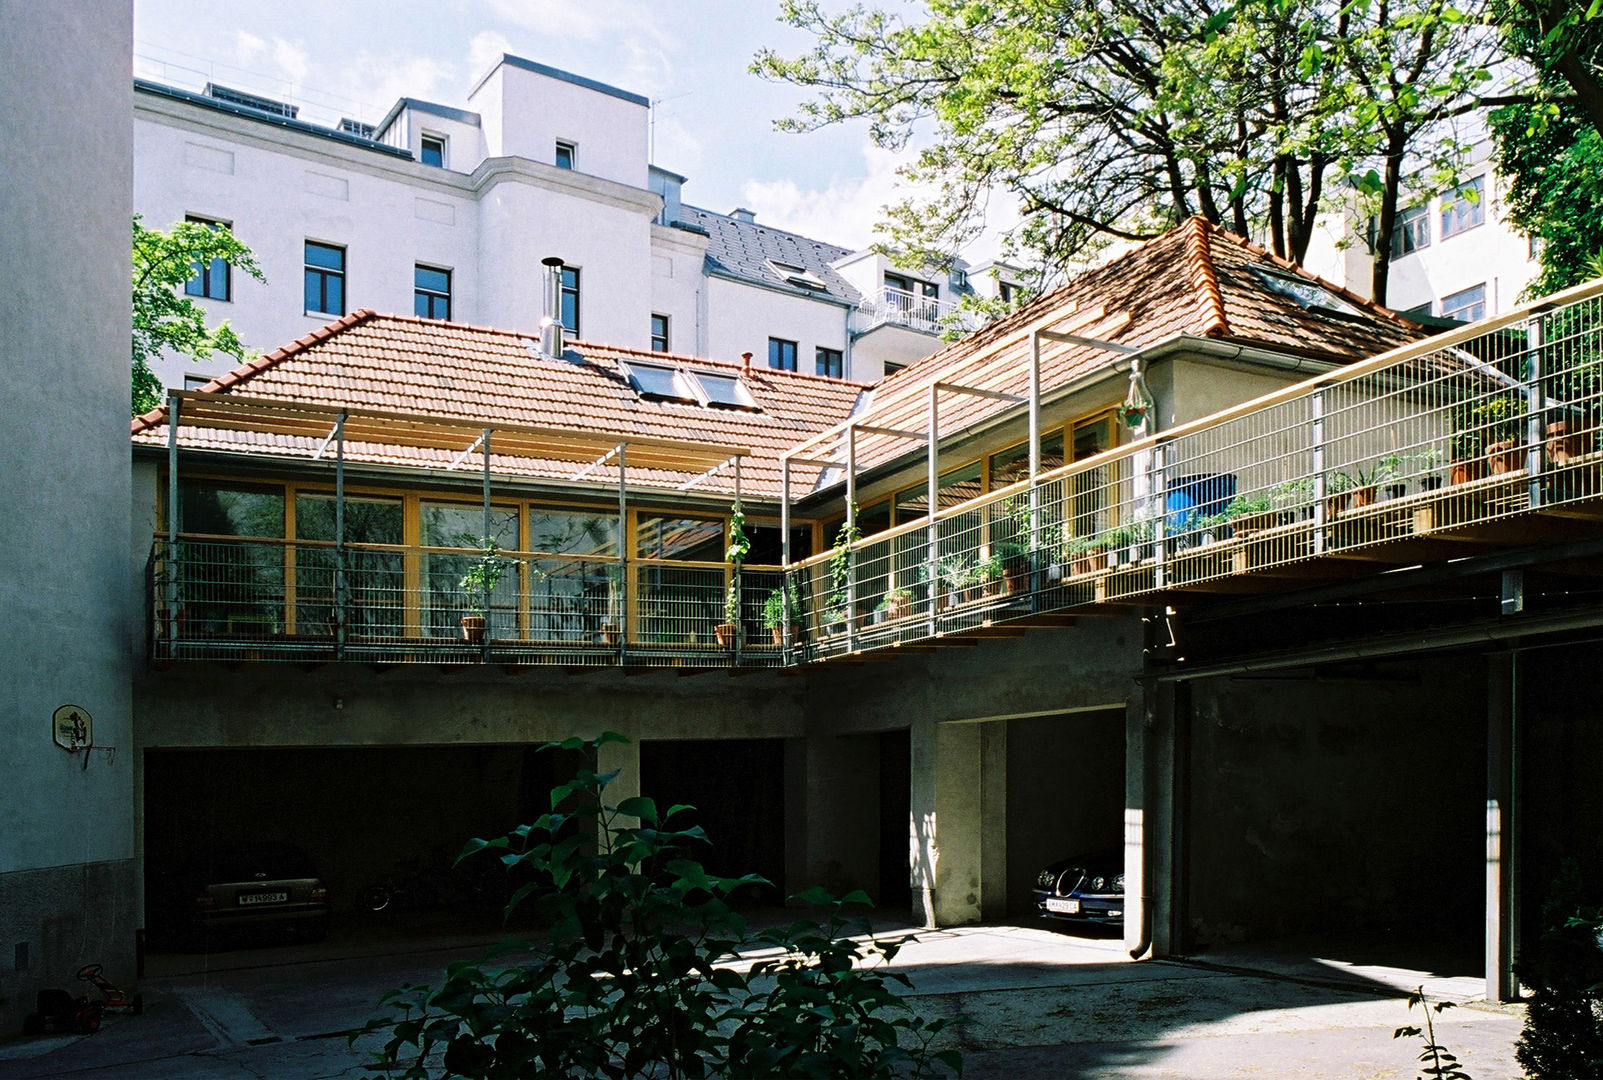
{"x":66,"y":857}
{"x":741,"y":318}
{"x":1320,"y":805}
{"x":526,"y":112}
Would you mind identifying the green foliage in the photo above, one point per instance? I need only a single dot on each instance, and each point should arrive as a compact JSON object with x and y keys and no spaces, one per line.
{"x":638,"y":973}
{"x":1552,"y":159}
{"x":739,"y":547}
{"x":1119,"y":119}
{"x":774,"y":607}
{"x":1437,"y":1062}
{"x":163,"y":317}
{"x":840,"y":565}
{"x":1563,"y":1035}
{"x":485,"y":574}
{"x":1485,"y":421}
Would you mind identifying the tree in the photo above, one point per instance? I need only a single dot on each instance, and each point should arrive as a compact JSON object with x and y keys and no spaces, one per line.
{"x":1551,"y":153}
{"x":1117,"y":119}
{"x":1564,"y":40}
{"x":163,"y":316}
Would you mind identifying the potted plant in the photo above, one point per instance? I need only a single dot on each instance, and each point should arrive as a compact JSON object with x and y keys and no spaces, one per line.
{"x":1250,"y":514}
{"x":840,"y":570}
{"x":896,"y":604}
{"x":1087,"y":554}
{"x":991,"y":572}
{"x":774,"y":614}
{"x":735,"y":554}
{"x":479,"y":584}
{"x":1498,"y":420}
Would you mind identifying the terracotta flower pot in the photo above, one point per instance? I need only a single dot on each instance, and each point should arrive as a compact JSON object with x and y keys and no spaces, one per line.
{"x":610,"y":633}
{"x":1467,"y":471}
{"x":1565,"y":443}
{"x":473,"y":629}
{"x":1504,"y":457}
{"x":726,"y":635}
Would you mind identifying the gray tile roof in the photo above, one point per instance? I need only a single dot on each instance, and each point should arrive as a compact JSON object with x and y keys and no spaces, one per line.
{"x":740,"y":250}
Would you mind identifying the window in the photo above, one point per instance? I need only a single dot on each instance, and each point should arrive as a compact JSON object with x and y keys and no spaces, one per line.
{"x":434,"y":150}
{"x":325,"y":279}
{"x":570,"y":300}
{"x":212,"y":280}
{"x":659,"y":333}
{"x":431,"y":292}
{"x":460,"y":528}
{"x":1534,"y":246}
{"x":1466,"y":306}
{"x":1305,"y":291}
{"x":897,"y":281}
{"x":1006,"y":290}
{"x":829,"y":362}
{"x":1411,"y":232}
{"x":1464,"y":207}
{"x":566,"y":153}
{"x":781,"y":354}
{"x":661,"y":382}
{"x":195,"y":382}
{"x":797,"y":275}
{"x":725,"y":390}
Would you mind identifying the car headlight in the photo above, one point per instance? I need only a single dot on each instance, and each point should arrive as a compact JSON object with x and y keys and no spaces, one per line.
{"x":1099,"y":884}
{"x":1045,"y":879}
{"x":1118,"y":884}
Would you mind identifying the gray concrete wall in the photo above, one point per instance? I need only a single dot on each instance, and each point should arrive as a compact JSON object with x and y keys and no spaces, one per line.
{"x":66,"y":885}
{"x":1332,"y":804}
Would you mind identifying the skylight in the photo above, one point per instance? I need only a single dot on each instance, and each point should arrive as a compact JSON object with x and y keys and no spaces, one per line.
{"x":798,"y":275}
{"x":656,"y":381}
{"x":1310,"y":294}
{"x":724,"y":390}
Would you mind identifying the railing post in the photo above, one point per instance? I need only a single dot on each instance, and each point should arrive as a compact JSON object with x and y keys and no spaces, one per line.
{"x":1035,"y":455}
{"x":341,"y":601}
{"x":786,"y":616}
{"x":851,"y":531}
{"x":174,"y":569}
{"x":932,"y":469}
{"x":484,"y":541}
{"x":1316,"y":439}
{"x":623,"y":555}
{"x":1535,"y":408}
{"x":1160,"y":522}
{"x":740,"y":596}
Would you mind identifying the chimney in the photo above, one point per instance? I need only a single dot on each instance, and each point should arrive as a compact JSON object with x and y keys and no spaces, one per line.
{"x":745,"y":363}
{"x":744,"y":216}
{"x":551,"y":308}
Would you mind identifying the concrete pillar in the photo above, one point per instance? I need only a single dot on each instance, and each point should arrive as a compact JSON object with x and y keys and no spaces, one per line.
{"x":948,"y":829}
{"x":1156,"y":776}
{"x":993,"y":821}
{"x":625,"y":757}
{"x":1501,"y":831}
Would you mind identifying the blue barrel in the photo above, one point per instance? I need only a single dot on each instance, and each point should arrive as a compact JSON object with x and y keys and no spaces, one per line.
{"x":1190,"y":498}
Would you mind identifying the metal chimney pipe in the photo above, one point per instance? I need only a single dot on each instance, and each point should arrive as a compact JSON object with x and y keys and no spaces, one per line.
{"x":551,"y":308}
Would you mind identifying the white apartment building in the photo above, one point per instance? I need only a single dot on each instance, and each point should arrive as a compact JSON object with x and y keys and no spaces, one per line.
{"x":1452,"y":256}
{"x":449,"y":212}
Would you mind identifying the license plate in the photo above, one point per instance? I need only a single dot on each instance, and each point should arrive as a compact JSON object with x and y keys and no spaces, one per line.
{"x":263,"y":897}
{"x":1059,"y":906}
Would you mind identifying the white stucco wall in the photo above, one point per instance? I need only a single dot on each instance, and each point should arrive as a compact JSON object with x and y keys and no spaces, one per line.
{"x":67,"y":841}
{"x":741,"y":318}
{"x":526,"y":113}
{"x":679,"y":287}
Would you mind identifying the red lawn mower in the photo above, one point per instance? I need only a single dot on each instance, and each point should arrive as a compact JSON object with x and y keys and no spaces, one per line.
{"x":60,"y":1011}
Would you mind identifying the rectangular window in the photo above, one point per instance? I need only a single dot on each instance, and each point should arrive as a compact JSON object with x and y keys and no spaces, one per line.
{"x":897,"y":281}
{"x":659,"y":333}
{"x":829,"y":362}
{"x":431,"y":292}
{"x":1004,"y":291}
{"x":570,"y":300}
{"x":1466,"y":306}
{"x":1412,"y":231}
{"x":212,"y":280}
{"x":434,"y":150}
{"x":325,"y":279}
{"x":1464,"y":207}
{"x":566,"y":155}
{"x":781,"y":354}
{"x":458,"y":528}
{"x":375,"y":579}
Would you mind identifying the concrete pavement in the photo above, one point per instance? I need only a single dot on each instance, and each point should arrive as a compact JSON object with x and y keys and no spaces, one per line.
{"x":1024,"y":1002}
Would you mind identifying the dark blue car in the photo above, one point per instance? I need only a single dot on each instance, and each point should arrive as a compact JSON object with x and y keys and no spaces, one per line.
{"x":1085,"y":889}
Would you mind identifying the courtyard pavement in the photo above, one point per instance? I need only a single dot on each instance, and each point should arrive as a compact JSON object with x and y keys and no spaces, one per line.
{"x":1024,"y":1001}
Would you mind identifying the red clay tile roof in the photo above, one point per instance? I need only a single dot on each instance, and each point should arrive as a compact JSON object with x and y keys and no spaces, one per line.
{"x":451,"y":372}
{"x":1197,"y":280}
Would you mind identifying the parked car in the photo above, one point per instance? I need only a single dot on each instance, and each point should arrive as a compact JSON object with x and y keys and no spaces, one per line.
{"x":247,"y":890}
{"x":1086,"y":889}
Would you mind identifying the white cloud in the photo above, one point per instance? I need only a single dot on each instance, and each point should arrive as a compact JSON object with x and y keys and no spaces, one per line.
{"x":378,"y":80}
{"x":292,"y":59}
{"x":586,"y":20}
{"x":278,"y":58}
{"x":485,"y":48}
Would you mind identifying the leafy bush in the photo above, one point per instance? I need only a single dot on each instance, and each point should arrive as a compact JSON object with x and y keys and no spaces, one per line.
{"x":1563,"y":1034}
{"x":631,"y":979}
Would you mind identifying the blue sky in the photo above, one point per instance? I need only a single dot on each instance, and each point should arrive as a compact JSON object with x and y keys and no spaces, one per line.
{"x":713,"y":121}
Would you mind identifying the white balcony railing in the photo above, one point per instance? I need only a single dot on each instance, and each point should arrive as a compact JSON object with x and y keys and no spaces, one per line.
{"x":898,"y":307}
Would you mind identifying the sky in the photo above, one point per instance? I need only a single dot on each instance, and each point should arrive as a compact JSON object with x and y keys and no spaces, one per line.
{"x":712,"y":121}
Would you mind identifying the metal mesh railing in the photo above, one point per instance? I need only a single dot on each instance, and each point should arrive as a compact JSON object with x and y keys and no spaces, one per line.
{"x":1485,"y":423}
{"x":245,"y":599}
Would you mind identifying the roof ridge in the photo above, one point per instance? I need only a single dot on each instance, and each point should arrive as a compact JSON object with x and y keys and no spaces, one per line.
{"x":250,"y":368}
{"x":1340,"y":290}
{"x":1199,"y":264}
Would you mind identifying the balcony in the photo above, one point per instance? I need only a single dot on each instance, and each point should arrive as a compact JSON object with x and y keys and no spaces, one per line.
{"x":898,"y":307}
{"x":221,"y":598}
{"x":1486,"y":435}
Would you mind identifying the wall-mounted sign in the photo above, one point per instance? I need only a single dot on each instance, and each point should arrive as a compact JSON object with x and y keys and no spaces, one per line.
{"x":73,"y":728}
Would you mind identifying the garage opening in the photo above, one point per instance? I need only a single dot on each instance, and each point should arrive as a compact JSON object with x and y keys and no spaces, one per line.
{"x":737,"y":789}
{"x":895,"y":810}
{"x":1338,"y":816}
{"x":358,"y":813}
{"x":1065,"y":795}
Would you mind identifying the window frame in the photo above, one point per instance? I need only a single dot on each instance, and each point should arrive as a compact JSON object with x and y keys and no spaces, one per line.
{"x":1455,"y":209}
{"x":565,"y":290}
{"x":442,"y":141}
{"x":205,"y":277}
{"x":325,"y":275}
{"x":838,"y":356}
{"x":777,"y":353}
{"x":1411,"y":232}
{"x":1479,"y":301}
{"x":660,"y":326}
{"x":569,"y":149}
{"x":420,"y":292}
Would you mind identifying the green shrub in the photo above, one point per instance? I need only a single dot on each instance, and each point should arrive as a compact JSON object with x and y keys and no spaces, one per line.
{"x":630,"y":979}
{"x":1563,"y":1036}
